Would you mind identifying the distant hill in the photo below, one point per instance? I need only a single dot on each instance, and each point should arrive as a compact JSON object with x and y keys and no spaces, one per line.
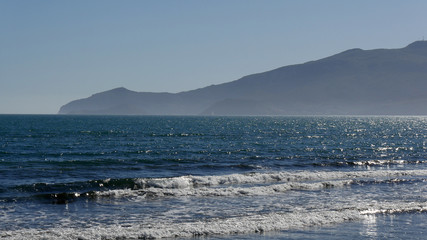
{"x":353,"y":82}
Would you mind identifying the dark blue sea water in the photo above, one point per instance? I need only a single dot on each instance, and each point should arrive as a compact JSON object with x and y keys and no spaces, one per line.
{"x":129,"y":177}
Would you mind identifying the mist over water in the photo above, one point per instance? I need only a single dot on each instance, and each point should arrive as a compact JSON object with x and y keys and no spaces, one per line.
{"x":141,"y":177}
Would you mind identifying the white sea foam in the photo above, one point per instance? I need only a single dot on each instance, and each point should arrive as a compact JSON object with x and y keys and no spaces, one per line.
{"x":257,"y":223}
{"x":237,"y":225}
{"x":223,"y":191}
{"x":260,"y":178}
{"x":319,"y":212}
{"x":255,"y":184}
{"x":384,"y":162}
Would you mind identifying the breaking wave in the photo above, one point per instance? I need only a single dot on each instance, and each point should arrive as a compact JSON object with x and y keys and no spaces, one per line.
{"x":254,"y":184}
{"x":222,"y":226}
{"x":234,"y":185}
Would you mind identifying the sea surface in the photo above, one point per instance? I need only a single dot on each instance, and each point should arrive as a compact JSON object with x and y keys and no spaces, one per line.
{"x":143,"y":177}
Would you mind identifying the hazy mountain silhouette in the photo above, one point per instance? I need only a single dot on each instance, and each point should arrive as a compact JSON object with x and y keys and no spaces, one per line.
{"x":356,"y":82}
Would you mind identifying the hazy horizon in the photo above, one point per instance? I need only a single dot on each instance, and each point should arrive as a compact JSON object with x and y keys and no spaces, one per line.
{"x":54,"y":52}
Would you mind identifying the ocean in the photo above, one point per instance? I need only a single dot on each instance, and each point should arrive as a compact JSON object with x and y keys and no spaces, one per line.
{"x":144,"y":177}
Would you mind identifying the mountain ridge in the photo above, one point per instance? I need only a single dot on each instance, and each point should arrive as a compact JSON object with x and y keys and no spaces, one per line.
{"x":355,"y":82}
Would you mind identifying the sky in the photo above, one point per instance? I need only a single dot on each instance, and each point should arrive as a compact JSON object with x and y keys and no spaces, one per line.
{"x":53,"y":52}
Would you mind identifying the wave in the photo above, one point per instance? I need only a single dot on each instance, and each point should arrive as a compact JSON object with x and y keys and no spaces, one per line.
{"x":316,"y":213}
{"x":381,"y":162}
{"x":241,"y":191}
{"x":60,"y":193}
{"x":261,"y":178}
{"x":227,"y":191}
{"x":367,"y":163}
{"x":253,"y":184}
{"x":256,"y":223}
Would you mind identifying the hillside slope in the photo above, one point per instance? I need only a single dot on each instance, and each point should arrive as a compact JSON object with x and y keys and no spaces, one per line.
{"x":357,"y":82}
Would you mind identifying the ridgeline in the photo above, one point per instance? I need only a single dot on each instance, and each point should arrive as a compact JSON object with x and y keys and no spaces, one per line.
{"x":353,"y":82}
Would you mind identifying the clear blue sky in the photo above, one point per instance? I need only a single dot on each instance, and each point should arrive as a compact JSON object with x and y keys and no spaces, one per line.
{"x":52,"y":52}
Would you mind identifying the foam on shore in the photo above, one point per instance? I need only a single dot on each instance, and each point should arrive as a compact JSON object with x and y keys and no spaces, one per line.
{"x":298,"y":219}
